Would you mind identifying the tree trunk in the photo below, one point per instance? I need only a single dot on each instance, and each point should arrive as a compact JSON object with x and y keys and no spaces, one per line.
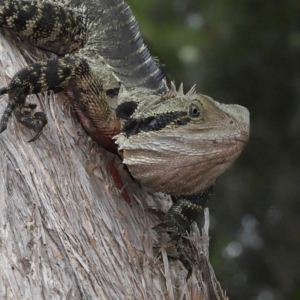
{"x":66,"y":231}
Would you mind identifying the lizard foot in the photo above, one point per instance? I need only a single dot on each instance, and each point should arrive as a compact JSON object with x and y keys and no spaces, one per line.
{"x":35,"y":121}
{"x":178,"y":245}
{"x":177,"y":221}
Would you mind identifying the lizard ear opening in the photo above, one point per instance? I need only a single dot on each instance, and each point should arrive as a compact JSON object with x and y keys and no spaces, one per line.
{"x":126,"y":109}
{"x":113,"y":92}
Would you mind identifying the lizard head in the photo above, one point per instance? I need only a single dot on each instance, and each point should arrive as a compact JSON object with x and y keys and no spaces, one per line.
{"x":179,"y":143}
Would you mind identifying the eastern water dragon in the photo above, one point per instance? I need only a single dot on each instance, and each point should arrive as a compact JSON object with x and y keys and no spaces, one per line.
{"x":171,"y":142}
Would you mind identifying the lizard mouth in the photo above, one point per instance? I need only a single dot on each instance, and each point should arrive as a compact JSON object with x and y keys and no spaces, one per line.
{"x":241,"y":141}
{"x":242,"y":137}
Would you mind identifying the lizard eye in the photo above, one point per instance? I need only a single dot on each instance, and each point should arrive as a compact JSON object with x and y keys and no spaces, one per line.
{"x":194,"y":111}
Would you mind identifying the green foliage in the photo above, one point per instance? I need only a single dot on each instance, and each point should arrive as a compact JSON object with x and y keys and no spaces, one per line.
{"x":244,"y":52}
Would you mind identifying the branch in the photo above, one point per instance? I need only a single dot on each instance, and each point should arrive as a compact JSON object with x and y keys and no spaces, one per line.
{"x":66,"y":232}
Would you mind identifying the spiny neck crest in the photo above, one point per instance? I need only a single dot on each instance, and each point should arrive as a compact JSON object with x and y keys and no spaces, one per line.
{"x":172,"y":88}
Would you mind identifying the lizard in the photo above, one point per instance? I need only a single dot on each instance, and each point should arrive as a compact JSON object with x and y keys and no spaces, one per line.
{"x":170,"y":141}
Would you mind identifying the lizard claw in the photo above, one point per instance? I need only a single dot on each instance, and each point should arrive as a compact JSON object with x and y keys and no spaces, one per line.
{"x":168,"y":224}
{"x":3,"y":127}
{"x":5,"y":116}
{"x":40,"y":121}
{"x":4,"y":90}
{"x":185,"y":257}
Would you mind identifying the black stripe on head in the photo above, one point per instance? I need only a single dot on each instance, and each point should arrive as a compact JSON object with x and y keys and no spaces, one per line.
{"x":158,"y":122}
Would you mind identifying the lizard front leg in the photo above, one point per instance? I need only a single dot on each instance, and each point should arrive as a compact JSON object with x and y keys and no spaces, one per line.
{"x":177,"y":221}
{"x":68,"y":72}
{"x":184,"y":211}
{"x":35,"y":121}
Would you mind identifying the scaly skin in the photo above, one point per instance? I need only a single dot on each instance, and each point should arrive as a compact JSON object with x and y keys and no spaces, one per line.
{"x":171,"y":142}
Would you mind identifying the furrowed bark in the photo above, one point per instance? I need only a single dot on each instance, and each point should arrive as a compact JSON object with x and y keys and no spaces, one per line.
{"x":65,"y":230}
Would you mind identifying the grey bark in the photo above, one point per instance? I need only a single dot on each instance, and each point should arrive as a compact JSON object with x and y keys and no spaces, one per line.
{"x":65,"y":230}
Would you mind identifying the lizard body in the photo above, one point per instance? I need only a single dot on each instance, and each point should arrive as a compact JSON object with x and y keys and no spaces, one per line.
{"x":171,"y":142}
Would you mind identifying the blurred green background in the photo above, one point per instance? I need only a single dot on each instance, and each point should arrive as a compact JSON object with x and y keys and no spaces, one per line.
{"x":244,"y":52}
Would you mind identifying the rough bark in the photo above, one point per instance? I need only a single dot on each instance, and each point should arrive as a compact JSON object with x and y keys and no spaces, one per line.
{"x":65,"y":230}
